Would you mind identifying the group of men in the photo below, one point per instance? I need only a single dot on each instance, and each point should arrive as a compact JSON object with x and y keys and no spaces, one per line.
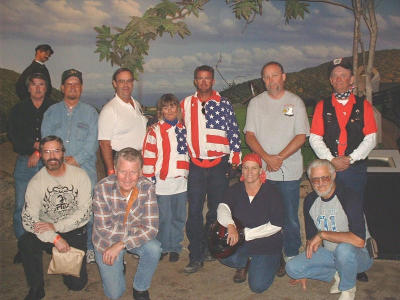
{"x":54,"y":204}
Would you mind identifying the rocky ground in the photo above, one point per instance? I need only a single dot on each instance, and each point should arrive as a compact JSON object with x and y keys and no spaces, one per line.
{"x":214,"y":281}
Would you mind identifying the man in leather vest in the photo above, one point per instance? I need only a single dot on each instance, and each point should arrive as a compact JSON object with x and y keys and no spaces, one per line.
{"x":343,"y":130}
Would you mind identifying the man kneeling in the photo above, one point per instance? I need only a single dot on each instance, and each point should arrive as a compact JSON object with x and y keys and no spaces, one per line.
{"x":126,"y":219}
{"x":336,"y":233}
{"x":57,"y":208}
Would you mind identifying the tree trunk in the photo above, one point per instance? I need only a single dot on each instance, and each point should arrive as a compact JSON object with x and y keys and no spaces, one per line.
{"x":357,"y":37}
{"x":373,"y":29}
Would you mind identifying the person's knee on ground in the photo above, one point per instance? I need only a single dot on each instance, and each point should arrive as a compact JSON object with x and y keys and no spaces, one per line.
{"x":293,"y":269}
{"x":259,"y":287}
{"x":345,"y":254}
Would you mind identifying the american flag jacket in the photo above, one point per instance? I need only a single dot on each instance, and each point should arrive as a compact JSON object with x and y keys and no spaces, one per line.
{"x":212,"y":129}
{"x":165,"y":152}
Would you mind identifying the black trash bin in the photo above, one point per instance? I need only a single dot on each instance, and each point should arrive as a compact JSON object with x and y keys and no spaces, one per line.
{"x":382,"y":201}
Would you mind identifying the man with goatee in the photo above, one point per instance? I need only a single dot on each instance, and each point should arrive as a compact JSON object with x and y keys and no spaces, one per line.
{"x":57,"y":208}
{"x":75,"y":123}
{"x":24,"y":133}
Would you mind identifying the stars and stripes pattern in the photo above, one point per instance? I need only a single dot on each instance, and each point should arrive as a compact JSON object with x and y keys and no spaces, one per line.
{"x":165,"y":152}
{"x":212,"y":129}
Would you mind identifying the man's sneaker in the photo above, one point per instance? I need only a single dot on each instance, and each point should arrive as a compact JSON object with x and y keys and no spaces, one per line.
{"x":335,"y":286}
{"x":90,"y":257}
{"x":208,"y":256}
{"x":193,"y":267}
{"x":140,"y":295}
{"x":363,"y":277}
{"x":348,"y":295}
{"x":173,"y":256}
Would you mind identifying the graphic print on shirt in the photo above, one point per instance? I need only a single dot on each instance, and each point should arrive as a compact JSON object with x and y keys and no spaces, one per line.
{"x":326,"y":220}
{"x":60,"y":202}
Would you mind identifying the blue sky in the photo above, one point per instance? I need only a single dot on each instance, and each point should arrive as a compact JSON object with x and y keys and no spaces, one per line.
{"x":326,"y":33}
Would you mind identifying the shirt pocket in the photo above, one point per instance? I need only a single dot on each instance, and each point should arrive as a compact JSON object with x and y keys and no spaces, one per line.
{"x":82,"y":131}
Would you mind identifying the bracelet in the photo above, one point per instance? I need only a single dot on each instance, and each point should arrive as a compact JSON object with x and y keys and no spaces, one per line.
{"x":36,"y":153}
{"x":110,"y":172}
{"x":320,"y":235}
{"x":56,"y":239}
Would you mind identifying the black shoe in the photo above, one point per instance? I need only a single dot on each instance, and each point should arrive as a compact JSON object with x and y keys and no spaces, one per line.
{"x":18,"y":258}
{"x":124,"y":264}
{"x":162,"y":255}
{"x":193,"y":267}
{"x":141,"y":295}
{"x":208,"y":256}
{"x":173,"y":256}
{"x":363,"y":277}
{"x":281,"y":271}
{"x":35,"y":294}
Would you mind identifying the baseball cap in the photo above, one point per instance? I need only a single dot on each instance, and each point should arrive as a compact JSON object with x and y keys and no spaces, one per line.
{"x":69,"y":73}
{"x":340,"y":62}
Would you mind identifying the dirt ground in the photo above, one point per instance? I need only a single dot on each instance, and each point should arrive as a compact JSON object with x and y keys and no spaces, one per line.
{"x":213,"y":281}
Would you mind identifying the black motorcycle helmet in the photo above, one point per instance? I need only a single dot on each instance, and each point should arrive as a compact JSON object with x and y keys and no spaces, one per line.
{"x":217,"y":240}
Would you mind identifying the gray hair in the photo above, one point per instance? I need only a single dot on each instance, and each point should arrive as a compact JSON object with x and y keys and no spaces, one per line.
{"x":51,"y":138}
{"x":128,"y":154}
{"x":320,"y":163}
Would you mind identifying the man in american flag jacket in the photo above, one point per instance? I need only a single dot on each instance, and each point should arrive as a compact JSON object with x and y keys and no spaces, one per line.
{"x":213,"y":143}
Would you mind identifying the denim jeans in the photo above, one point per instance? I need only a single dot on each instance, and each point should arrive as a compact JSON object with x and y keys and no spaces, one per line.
{"x":31,"y":251}
{"x":22,"y":176}
{"x":172,"y":214}
{"x":89,"y":227}
{"x":354,"y":177}
{"x":113,"y":277}
{"x":212,"y":182}
{"x":262,"y":268}
{"x":290,"y":191}
{"x":347,"y":260}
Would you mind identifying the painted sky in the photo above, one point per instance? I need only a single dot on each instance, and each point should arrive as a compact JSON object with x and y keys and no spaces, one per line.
{"x":67,"y":26}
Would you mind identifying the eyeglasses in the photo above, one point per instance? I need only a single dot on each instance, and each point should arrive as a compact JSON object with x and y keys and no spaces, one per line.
{"x":318,"y":180}
{"x":55,"y":151}
{"x":203,"y":110}
{"x":121,"y":81}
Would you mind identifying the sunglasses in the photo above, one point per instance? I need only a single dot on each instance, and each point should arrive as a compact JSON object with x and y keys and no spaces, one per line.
{"x":319,"y":180}
{"x":203,"y":110}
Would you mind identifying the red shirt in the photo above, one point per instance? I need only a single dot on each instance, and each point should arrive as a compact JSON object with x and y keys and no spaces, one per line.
{"x":343,"y":113}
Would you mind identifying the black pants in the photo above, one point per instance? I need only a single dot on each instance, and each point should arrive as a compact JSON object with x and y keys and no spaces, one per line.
{"x":31,"y":251}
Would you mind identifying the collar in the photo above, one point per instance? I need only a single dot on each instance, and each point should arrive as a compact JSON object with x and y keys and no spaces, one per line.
{"x":351,"y":100}
{"x":39,"y":62}
{"x":214,"y":96}
{"x":116,"y":96}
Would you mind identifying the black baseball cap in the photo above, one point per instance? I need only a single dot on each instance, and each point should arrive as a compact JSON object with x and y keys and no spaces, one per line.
{"x":70,"y":73}
{"x":340,"y":62}
{"x":44,"y":47}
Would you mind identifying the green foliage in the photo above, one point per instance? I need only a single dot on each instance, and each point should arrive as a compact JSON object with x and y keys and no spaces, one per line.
{"x":246,"y":9}
{"x":128,"y":46}
{"x":295,"y":9}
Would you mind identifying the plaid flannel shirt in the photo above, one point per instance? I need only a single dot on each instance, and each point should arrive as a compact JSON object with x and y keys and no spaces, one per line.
{"x":109,"y":210}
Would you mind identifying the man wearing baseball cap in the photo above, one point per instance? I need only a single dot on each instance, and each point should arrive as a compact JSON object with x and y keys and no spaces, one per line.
{"x":42,"y":54}
{"x":75,"y":123}
{"x":343,"y":130}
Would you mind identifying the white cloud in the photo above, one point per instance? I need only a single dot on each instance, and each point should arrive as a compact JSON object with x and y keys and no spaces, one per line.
{"x":126,"y":8}
{"x":381,"y":21}
{"x":201,"y":24}
{"x":395,"y":20}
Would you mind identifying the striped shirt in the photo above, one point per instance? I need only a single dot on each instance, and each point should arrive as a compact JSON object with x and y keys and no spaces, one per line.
{"x":212,"y":129}
{"x":165,"y":157}
{"x":109,"y":210}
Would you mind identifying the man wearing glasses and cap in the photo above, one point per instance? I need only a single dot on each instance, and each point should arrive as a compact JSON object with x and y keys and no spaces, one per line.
{"x":42,"y":54}
{"x":76,"y":123}
{"x":214,"y":142}
{"x":343,"y":130}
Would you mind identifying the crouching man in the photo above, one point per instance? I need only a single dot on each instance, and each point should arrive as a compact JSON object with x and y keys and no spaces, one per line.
{"x":336,"y":233}
{"x":57,"y":207}
{"x":126,"y":219}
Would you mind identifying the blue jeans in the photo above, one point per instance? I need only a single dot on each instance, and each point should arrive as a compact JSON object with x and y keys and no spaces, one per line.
{"x":213,"y":182}
{"x":347,"y":260}
{"x":22,"y":176}
{"x":262,"y":268}
{"x":290,"y":191}
{"x":113,"y":277}
{"x":89,"y":227}
{"x":354,"y":177}
{"x":172,"y":214}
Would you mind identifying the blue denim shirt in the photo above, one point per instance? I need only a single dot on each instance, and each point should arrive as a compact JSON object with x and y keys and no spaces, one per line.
{"x":78,"y":130}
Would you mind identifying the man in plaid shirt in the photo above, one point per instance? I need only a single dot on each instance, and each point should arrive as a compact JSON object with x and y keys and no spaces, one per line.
{"x":126,"y":219}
